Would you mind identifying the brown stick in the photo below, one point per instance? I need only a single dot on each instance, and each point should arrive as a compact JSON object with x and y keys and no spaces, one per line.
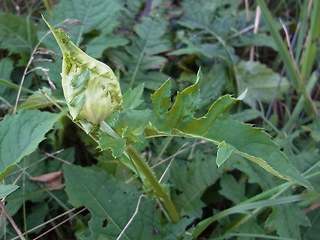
{"x":14,"y":225}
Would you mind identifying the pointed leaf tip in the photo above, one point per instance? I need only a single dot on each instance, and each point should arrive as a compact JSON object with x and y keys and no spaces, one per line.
{"x":243,"y":95}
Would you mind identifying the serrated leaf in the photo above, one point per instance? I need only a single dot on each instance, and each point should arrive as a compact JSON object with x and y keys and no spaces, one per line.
{"x":254,"y":172}
{"x":20,"y":135}
{"x":258,"y":39}
{"x":251,"y":226}
{"x":130,"y":124}
{"x":202,"y":49}
{"x":6,"y":189}
{"x":177,"y":230}
{"x":6,"y":67}
{"x":116,"y":145}
{"x":257,"y":146}
{"x":246,"y":115}
{"x":111,"y":203}
{"x":262,"y":83}
{"x":294,"y":218}
{"x":242,"y":208}
{"x":181,"y":115}
{"x":224,"y":151}
{"x":247,"y":141}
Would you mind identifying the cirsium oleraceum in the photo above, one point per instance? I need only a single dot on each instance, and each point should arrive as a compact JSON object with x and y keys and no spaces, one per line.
{"x":90,"y":87}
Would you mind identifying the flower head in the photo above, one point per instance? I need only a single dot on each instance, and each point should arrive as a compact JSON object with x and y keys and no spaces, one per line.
{"x":91,"y":89}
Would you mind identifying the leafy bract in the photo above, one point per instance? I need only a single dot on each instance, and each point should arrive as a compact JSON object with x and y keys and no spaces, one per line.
{"x":20,"y":135}
{"x":117,"y":146}
{"x":111,"y":203}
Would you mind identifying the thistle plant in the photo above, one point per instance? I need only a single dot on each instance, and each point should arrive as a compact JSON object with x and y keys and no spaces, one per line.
{"x":93,"y":93}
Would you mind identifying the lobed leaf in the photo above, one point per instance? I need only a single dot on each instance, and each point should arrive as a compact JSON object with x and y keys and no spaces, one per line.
{"x":181,"y":115}
{"x":255,"y":145}
{"x":245,"y":140}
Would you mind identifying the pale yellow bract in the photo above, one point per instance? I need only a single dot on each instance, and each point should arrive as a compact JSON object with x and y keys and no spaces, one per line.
{"x":91,"y":89}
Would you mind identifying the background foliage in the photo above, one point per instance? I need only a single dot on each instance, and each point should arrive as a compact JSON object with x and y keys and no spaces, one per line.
{"x":147,"y":42}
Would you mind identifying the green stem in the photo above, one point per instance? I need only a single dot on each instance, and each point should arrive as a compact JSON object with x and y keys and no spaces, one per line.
{"x":158,"y":189}
{"x":146,"y":171}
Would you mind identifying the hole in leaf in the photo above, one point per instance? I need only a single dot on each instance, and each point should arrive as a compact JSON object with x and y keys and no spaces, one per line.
{"x":178,"y":192}
{"x":105,"y":223}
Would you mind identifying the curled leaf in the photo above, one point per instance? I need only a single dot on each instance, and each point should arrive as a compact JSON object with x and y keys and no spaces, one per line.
{"x":50,"y":180}
{"x":91,"y":89}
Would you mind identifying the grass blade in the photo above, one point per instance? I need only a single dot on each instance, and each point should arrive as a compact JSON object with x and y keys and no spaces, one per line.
{"x":289,"y":64}
{"x":311,"y":46}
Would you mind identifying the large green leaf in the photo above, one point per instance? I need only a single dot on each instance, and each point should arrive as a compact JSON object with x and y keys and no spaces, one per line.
{"x":20,"y":135}
{"x":255,"y":145}
{"x":245,"y":140}
{"x":111,"y":203}
{"x":181,"y":116}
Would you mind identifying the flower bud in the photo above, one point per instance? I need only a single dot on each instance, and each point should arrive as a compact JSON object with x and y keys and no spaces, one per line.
{"x":90,"y":87}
